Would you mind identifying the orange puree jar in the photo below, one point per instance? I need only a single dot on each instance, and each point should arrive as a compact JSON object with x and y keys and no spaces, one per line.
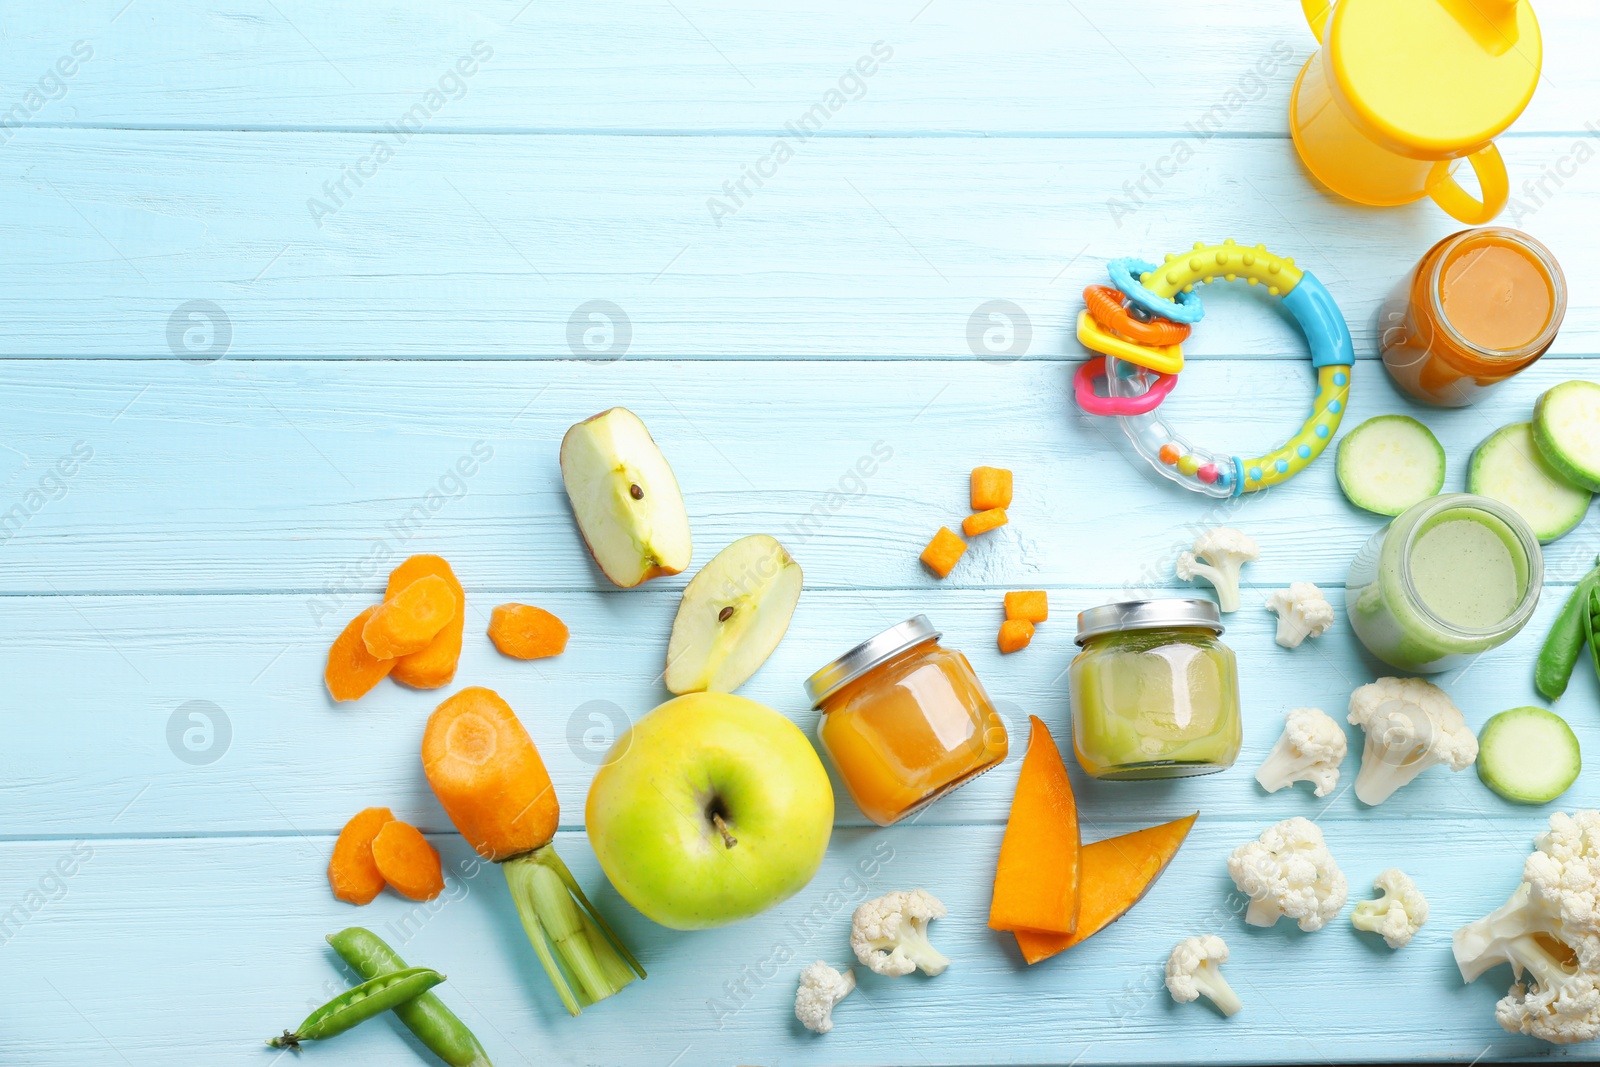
{"x":904,"y":720}
{"x":1478,"y":308}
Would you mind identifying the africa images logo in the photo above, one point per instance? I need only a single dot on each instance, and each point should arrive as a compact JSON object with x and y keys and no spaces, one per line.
{"x":451,"y":85}
{"x":51,"y":85}
{"x":851,"y":85}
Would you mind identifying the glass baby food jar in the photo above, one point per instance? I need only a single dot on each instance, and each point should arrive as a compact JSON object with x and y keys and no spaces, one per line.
{"x":904,"y":720}
{"x":1155,"y":693}
{"x":1481,"y":306}
{"x":1448,"y":578}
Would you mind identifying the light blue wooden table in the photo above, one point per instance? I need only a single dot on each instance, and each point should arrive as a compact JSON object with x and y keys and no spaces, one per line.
{"x":272,"y":266}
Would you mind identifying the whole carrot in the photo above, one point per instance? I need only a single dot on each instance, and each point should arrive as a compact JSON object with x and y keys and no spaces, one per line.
{"x":491,"y":782}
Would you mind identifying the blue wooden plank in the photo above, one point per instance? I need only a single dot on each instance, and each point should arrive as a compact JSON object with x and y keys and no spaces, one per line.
{"x":473,"y":246}
{"x":98,"y":745}
{"x":217,"y":943}
{"x":704,"y":65}
{"x":230,"y":511}
{"x":266,"y":477}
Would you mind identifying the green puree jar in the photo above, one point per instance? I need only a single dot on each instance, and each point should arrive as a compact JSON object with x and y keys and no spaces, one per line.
{"x":1448,"y":578}
{"x":1155,"y":693}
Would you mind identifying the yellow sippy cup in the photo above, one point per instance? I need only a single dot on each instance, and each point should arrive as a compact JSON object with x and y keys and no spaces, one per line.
{"x":1401,"y":89}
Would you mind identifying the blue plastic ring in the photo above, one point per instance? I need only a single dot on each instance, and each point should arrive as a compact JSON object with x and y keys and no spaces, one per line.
{"x":1125,"y":275}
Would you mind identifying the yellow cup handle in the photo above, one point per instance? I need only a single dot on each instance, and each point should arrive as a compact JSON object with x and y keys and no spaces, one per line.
{"x":1448,"y":194}
{"x":1317,"y":12}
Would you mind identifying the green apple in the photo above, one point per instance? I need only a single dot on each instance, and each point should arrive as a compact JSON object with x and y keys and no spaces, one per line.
{"x":625,"y":498}
{"x":710,"y":809}
{"x":733,"y":614}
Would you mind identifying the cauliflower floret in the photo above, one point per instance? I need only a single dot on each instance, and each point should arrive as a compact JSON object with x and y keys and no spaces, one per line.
{"x":1302,"y":612}
{"x":1411,"y":725}
{"x":1224,"y":551}
{"x":890,"y":933}
{"x":1310,"y":750}
{"x":1289,"y":871}
{"x":1398,"y":914}
{"x":1550,"y":929}
{"x":821,"y":987}
{"x":1194,"y":970}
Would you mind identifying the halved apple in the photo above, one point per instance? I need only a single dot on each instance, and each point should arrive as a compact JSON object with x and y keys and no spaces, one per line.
{"x":733,"y":614}
{"x":625,"y":498}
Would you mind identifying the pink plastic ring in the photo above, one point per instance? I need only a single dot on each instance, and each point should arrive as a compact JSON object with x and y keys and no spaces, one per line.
{"x":1143,"y":404}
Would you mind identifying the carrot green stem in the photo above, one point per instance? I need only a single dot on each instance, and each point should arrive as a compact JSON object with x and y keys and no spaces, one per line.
{"x":548,"y":855}
{"x":519,"y":877}
{"x":570,"y":941}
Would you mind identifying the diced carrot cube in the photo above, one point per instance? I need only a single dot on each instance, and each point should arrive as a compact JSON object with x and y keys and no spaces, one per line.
{"x":1015,"y":635}
{"x":983,"y":521}
{"x":991,"y":488}
{"x":1031,"y":605}
{"x":943,"y":552}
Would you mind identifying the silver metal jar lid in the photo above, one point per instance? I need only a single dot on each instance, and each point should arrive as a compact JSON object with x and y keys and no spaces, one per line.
{"x":867,"y":655}
{"x":1148,"y":615}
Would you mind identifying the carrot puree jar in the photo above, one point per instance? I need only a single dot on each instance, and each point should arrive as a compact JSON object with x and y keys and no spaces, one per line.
{"x":1478,"y":308}
{"x":904,"y":720}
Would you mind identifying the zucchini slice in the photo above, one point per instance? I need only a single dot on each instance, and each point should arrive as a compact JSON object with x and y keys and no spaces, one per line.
{"x":1389,"y":463}
{"x":1528,"y":755}
{"x":1566,"y":427}
{"x":1509,"y":467}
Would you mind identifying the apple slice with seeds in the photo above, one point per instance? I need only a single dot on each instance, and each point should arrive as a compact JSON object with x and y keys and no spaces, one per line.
{"x":625,"y":498}
{"x":733,"y":614}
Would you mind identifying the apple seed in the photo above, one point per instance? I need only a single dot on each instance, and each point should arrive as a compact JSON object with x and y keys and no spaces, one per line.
{"x":725,"y":614}
{"x":636,"y":492}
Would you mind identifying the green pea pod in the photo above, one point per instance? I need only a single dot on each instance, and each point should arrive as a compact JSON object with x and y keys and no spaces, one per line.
{"x":1591,"y":625}
{"x":435,"y":1025}
{"x":358,"y":1004}
{"x":1564,"y":644}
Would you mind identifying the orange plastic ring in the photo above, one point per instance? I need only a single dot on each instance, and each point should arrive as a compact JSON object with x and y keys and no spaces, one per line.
{"x":1107,"y":307}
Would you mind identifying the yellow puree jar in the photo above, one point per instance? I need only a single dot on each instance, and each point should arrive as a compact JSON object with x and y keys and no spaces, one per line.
{"x":905,"y":720}
{"x":1155,"y":693}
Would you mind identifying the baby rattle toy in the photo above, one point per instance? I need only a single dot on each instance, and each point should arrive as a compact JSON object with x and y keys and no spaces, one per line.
{"x":1138,"y":325}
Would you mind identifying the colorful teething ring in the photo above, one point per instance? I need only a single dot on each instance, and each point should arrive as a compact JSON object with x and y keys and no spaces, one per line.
{"x":1109,"y":310}
{"x":1083,"y":390}
{"x":1163,"y":359}
{"x":1332,"y":356}
{"x":1182,"y":306}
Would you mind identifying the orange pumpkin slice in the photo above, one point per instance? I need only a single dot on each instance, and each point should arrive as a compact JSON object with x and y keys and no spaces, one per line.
{"x":1036,"y":880}
{"x":1117,"y":873}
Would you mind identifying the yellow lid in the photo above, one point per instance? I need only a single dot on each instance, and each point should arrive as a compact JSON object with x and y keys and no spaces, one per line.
{"x":1434,"y":77}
